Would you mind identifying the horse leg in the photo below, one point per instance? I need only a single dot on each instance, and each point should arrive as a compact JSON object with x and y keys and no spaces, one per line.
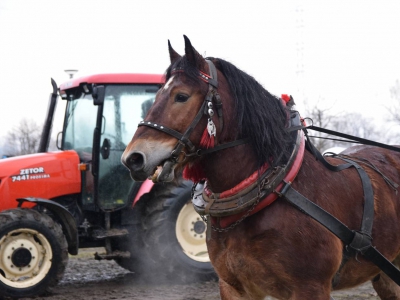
{"x":311,"y":291}
{"x":385,"y":287}
{"x":228,"y":292}
{"x":308,"y":291}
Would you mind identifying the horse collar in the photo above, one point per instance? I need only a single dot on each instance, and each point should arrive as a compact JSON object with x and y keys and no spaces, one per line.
{"x":253,"y":193}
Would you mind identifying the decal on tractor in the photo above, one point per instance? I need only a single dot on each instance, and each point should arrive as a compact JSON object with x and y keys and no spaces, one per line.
{"x":26,"y":174}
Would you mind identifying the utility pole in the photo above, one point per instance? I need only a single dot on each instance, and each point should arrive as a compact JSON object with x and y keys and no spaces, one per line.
{"x":71,"y":73}
{"x":300,"y":82}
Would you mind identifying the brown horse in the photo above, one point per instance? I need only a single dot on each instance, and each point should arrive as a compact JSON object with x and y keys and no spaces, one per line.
{"x":278,"y":250}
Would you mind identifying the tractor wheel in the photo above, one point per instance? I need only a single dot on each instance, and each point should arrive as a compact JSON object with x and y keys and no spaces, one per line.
{"x":172,"y":237}
{"x":33,"y":253}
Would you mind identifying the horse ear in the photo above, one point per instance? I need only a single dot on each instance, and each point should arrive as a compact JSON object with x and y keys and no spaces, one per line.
{"x":193,"y":56}
{"x":173,"y":55}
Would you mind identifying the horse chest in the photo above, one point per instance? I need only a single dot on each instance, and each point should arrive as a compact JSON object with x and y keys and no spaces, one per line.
{"x":248,"y":274}
{"x":251,"y":264}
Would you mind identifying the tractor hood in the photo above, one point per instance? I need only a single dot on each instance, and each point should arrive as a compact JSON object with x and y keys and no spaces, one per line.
{"x":44,"y":175}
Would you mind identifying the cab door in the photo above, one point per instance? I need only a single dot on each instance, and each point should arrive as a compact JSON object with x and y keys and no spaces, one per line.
{"x":124,"y":106}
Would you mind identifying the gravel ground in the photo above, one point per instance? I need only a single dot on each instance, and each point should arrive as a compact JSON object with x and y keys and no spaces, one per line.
{"x":86,"y":278}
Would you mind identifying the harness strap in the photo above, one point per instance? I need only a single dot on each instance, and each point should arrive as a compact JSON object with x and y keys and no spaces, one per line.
{"x":169,"y":131}
{"x":183,"y":139}
{"x":212,"y":78}
{"x":368,"y":214}
{"x":219,"y":147}
{"x":335,"y":168}
{"x":347,"y":136}
{"x":213,"y":81}
{"x":356,"y":240}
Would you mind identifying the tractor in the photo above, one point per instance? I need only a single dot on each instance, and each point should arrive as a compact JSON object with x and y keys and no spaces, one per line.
{"x":53,"y":203}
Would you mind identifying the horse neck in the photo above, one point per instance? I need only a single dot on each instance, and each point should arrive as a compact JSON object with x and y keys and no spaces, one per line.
{"x":227,"y":168}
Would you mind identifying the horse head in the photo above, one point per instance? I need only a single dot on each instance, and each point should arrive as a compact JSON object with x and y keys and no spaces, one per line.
{"x":160,"y":147}
{"x":205,"y":103}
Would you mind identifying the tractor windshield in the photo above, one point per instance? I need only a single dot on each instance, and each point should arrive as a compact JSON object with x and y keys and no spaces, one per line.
{"x":124,"y":107}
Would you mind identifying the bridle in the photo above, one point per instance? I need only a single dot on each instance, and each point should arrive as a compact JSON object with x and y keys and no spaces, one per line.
{"x":212,"y":98}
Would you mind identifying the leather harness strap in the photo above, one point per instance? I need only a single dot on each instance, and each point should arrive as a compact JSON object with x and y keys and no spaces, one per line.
{"x":350,"y":138}
{"x":359,"y":241}
{"x":368,"y":214}
{"x":224,"y":204}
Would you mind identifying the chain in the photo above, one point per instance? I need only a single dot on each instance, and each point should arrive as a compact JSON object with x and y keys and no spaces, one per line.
{"x":233,"y":225}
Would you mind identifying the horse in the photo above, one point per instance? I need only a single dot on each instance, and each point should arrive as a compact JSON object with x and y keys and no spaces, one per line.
{"x":227,"y":133}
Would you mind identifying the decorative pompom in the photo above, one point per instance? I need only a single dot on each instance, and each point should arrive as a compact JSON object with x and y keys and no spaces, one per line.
{"x":285,"y":97}
{"x":194,"y":172}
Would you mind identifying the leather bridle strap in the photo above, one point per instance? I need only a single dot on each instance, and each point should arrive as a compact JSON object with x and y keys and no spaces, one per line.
{"x":213,"y":82}
{"x":201,"y":152}
{"x":183,"y":139}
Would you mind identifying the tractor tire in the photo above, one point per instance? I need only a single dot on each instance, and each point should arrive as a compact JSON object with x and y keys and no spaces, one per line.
{"x":33,"y":253}
{"x":170,"y":242}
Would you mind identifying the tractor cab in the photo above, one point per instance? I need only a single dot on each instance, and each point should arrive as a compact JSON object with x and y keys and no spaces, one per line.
{"x":101,"y":112}
{"x":57,"y":202}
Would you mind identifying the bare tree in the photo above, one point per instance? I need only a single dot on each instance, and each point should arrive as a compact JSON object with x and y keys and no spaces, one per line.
{"x":394,"y":108}
{"x":23,"y":139}
{"x":349,"y":123}
{"x":321,"y":118}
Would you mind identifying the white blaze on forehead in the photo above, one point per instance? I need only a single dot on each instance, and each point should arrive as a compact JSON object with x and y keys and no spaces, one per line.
{"x":168,"y":83}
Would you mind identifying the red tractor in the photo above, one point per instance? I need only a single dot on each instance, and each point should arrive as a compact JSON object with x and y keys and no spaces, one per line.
{"x":54,"y":203}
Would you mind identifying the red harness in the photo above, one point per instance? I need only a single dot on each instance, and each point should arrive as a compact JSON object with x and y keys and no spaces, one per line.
{"x":223,"y":222}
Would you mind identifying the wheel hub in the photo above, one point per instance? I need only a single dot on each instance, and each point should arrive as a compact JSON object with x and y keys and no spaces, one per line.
{"x":21,"y":257}
{"x":199,"y":227}
{"x":20,"y":254}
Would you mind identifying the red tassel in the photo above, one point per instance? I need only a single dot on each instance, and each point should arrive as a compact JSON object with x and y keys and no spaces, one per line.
{"x":207,"y":141}
{"x":194,"y":173}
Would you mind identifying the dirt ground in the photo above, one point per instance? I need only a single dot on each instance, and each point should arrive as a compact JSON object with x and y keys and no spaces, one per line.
{"x":86,"y":278}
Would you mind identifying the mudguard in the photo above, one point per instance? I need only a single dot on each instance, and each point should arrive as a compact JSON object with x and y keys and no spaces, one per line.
{"x":63,"y":216}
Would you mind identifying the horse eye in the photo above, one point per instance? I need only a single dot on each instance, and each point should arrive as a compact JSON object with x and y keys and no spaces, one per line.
{"x":181,"y":98}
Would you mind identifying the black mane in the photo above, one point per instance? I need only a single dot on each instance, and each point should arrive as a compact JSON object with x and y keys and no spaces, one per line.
{"x":261,"y":116}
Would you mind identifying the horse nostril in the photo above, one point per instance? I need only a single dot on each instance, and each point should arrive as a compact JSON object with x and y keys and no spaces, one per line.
{"x":135,"y":161}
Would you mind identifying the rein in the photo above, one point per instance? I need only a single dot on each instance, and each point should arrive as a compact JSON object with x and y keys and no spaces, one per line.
{"x":350,"y":138}
{"x":206,"y":108}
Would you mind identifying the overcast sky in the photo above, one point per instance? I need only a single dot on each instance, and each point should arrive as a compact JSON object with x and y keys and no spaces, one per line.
{"x":343,"y":55}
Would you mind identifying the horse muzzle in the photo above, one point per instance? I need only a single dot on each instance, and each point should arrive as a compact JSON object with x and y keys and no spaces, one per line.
{"x":155,"y":166}
{"x":135,"y":162}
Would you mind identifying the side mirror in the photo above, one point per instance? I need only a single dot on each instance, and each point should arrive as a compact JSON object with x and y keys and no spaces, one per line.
{"x":105,"y":149}
{"x":98,"y":95}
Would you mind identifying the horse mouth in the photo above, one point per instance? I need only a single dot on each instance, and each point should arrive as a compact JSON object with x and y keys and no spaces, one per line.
{"x":157,"y":172}
{"x":163,"y":172}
